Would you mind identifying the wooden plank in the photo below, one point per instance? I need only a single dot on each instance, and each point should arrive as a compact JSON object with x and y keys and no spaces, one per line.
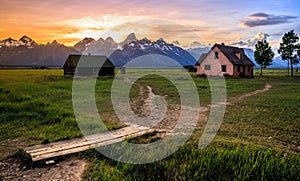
{"x":89,"y":137}
{"x":55,"y":153}
{"x":40,"y":152}
{"x":77,"y":143}
{"x":102,"y":138}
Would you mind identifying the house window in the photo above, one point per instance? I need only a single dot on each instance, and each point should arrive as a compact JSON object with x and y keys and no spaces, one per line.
{"x":216,"y":55}
{"x":224,"y":68}
{"x":249,"y":69}
{"x":238,"y":69}
{"x":207,"y":67}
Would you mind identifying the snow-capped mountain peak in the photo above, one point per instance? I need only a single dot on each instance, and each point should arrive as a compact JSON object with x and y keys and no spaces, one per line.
{"x":9,"y":42}
{"x":131,"y":47}
{"x":23,"y":41}
{"x":130,"y":38}
{"x":26,"y":52}
{"x":145,"y":46}
{"x":161,"y":40}
{"x":83,"y":44}
{"x":276,"y":63}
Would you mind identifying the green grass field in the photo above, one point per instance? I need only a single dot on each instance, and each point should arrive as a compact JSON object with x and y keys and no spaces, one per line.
{"x":259,"y":138}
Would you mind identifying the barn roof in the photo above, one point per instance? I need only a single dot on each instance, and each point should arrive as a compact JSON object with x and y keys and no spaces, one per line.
{"x":230,"y":53}
{"x":90,"y":60}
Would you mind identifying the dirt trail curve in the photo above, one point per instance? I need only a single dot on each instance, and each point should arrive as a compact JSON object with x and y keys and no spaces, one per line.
{"x":233,"y":100}
{"x":170,"y":122}
{"x":265,"y":89}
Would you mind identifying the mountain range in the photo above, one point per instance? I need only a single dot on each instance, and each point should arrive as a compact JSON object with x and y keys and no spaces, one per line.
{"x":277,"y":61}
{"x":131,"y":48}
{"x":26,"y":52}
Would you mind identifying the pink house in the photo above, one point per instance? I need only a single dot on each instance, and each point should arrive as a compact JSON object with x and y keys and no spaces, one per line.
{"x":225,"y":60}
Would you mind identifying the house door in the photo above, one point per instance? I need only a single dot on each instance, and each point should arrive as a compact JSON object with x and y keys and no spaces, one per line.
{"x":244,"y":71}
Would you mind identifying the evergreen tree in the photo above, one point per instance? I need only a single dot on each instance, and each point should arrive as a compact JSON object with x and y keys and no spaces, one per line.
{"x":290,"y":49}
{"x":263,"y":54}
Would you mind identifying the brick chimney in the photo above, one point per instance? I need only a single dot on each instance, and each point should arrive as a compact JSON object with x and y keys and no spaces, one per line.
{"x":242,"y":54}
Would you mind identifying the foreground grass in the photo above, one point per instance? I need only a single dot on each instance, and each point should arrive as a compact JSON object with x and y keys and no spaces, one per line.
{"x":217,"y":162}
{"x":270,"y":119}
{"x":259,"y":140}
{"x":36,"y":106}
{"x":259,"y":137}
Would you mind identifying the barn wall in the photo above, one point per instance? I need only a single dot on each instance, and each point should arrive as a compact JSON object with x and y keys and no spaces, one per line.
{"x":105,"y":71}
{"x":70,"y":69}
{"x":95,"y":71}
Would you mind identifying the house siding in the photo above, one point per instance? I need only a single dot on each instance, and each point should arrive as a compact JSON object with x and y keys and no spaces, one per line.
{"x":200,"y":70}
{"x":236,"y":62}
{"x":216,"y":64}
{"x":245,"y":71}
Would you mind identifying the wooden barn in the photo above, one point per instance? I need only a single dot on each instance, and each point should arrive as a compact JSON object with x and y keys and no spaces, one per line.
{"x":225,"y":60}
{"x":89,"y":65}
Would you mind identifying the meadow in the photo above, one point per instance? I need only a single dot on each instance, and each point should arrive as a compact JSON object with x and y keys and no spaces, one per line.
{"x":259,"y":138}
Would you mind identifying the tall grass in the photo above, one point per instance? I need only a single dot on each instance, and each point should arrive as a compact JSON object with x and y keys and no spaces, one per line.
{"x":235,"y":162}
{"x":36,"y":105}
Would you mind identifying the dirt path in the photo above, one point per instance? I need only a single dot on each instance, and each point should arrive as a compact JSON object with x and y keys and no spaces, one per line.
{"x":73,"y":169}
{"x":11,"y":169}
{"x":170,"y":121}
{"x":265,"y":89}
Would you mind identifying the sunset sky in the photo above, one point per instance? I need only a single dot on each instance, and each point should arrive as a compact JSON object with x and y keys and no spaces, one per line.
{"x":233,"y":22}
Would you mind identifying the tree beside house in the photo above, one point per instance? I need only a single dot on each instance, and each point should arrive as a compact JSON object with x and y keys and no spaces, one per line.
{"x":263,"y":54}
{"x":290,"y":50}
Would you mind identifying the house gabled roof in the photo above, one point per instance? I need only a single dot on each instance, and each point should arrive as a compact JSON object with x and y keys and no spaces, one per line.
{"x":202,"y":58}
{"x":90,"y":60}
{"x":230,"y":53}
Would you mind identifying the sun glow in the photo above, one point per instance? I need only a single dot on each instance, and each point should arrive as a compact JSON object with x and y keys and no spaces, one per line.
{"x":99,"y":27}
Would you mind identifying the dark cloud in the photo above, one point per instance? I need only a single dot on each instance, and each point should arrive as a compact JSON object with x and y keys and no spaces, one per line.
{"x":277,"y":34}
{"x":239,"y":43}
{"x":196,"y":44}
{"x":259,"y":15}
{"x":263,"y":19}
{"x":177,"y":43}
